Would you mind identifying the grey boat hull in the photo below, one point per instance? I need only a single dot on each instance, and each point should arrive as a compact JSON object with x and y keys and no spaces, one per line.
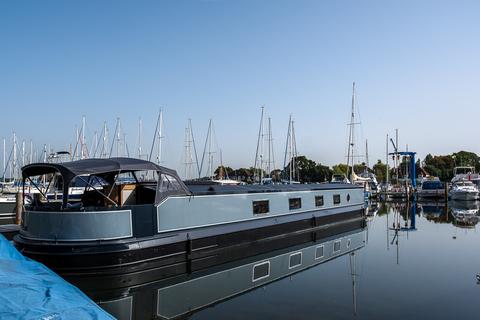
{"x":185,"y":251}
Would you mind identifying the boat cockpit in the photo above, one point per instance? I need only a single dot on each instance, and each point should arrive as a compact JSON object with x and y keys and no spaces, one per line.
{"x":100,"y":183}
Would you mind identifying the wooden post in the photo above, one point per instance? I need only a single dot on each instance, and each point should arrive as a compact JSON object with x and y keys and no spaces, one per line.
{"x":19,"y":207}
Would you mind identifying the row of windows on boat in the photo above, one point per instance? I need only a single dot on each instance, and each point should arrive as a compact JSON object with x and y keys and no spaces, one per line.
{"x":262,"y":270}
{"x":263,"y":206}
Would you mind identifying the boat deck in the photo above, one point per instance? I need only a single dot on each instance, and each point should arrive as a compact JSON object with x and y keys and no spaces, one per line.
{"x":216,"y":189}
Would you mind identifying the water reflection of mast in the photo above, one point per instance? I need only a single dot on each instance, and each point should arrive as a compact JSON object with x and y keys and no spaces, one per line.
{"x":353,"y":273}
{"x":396,"y":228}
{"x":388,"y":232}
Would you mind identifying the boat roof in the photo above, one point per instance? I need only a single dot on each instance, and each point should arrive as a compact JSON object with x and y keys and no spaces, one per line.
{"x":69,"y":170}
{"x":212,"y":189}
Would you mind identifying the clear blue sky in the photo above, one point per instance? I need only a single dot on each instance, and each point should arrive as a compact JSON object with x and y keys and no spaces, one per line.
{"x":416,"y":65}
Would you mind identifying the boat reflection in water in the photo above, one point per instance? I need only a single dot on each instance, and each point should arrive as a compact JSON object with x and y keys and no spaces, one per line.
{"x":434,"y":211}
{"x":464,"y":213}
{"x":185,"y":294}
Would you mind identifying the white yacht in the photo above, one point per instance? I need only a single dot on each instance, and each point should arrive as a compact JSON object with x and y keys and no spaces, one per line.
{"x":466,"y":173}
{"x":464,"y":190}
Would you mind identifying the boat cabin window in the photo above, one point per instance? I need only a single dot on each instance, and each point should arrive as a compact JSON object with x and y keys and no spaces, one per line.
{"x":319,"y":201}
{"x":260,"y":207}
{"x":295,"y":260}
{"x":261,"y":271}
{"x":319,"y":252}
{"x":336,"y":199}
{"x":125,"y":178}
{"x":336,"y":245}
{"x":432,"y":185}
{"x":295,"y":203}
{"x":43,"y":192}
{"x":168,"y":183}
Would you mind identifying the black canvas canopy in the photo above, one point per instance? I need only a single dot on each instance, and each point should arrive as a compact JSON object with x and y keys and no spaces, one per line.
{"x":70,"y":170}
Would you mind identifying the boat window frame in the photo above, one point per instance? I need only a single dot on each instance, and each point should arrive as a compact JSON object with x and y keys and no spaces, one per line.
{"x":339,"y":242}
{"x":317,"y":198}
{"x":259,"y":265}
{"x":293,"y":205}
{"x":323,"y":251}
{"x":160,"y":196}
{"x":290,"y":260}
{"x":337,"y":196}
{"x":258,"y":201}
{"x":88,"y":184}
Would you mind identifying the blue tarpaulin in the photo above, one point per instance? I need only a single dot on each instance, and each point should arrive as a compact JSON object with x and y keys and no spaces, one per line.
{"x":29,"y":290}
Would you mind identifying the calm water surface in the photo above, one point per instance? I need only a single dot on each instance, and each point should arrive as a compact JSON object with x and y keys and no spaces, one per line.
{"x":423,"y":270}
{"x":414,"y":261}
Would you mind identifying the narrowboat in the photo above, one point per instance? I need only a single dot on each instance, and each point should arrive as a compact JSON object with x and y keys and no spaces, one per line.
{"x":134,"y":216}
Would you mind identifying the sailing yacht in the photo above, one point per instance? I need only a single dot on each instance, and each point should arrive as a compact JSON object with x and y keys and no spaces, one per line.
{"x":366,"y":181}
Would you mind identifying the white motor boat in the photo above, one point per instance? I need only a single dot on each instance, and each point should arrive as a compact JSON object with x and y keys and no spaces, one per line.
{"x":431,"y":187}
{"x":466,"y":173}
{"x":464,"y":190}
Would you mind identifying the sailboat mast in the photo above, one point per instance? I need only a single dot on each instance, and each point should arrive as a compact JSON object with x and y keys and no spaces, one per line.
{"x":366,"y":155}
{"x":116,"y":139}
{"x":351,"y":137}
{"x":95,"y":144}
{"x":205,"y":149}
{"x":286,"y":149}
{"x":4,"y":158}
{"x":387,"y":173}
{"x":396,"y":154}
{"x":258,"y":153}
{"x":105,"y":140}
{"x":83,"y":154}
{"x":187,"y":154}
{"x":194,"y":146}
{"x":23,"y":153}
{"x":160,"y":136}
{"x":294,"y":153}
{"x":125,"y":146}
{"x":31,"y":151}
{"x":140,"y":129}
{"x":221,"y":171}
{"x":290,"y":152}
{"x":157,"y":136}
{"x":210,"y":154}
{"x":14,"y":155}
{"x":271,"y":154}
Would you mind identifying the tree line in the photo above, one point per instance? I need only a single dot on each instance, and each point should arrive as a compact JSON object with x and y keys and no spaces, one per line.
{"x":309,"y":171}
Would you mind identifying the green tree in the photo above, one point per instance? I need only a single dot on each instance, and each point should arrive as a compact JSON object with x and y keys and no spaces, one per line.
{"x":340,"y":168}
{"x":465,"y":158}
{"x":380,"y":169}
